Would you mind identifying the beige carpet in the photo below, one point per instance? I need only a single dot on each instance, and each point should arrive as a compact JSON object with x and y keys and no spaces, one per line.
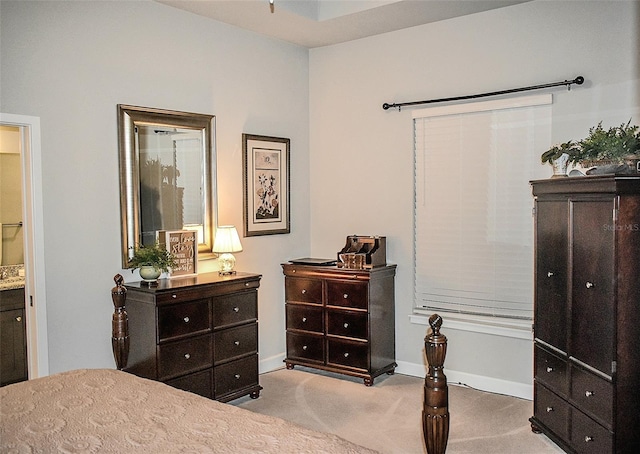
{"x":387,"y":416}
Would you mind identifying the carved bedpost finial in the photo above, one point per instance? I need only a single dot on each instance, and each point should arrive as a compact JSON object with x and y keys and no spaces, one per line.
{"x":119,"y":323}
{"x":435,"y":413}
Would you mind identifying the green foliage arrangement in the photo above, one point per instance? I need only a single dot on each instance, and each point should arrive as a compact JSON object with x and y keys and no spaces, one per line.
{"x":558,"y":150}
{"x":155,"y":256}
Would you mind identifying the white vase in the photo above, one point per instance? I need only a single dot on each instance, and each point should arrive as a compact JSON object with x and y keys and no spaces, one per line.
{"x":149,"y":273}
{"x":560,"y":166}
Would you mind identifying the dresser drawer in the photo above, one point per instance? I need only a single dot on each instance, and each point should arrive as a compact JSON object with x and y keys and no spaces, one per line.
{"x":182,"y":357}
{"x":235,"y":375}
{"x":179,"y":320}
{"x":347,"y":294}
{"x":304,"y":317}
{"x":552,"y":411}
{"x":233,"y":309}
{"x":305,"y":346}
{"x":303,"y":290}
{"x":234,"y":342}
{"x":593,"y":395}
{"x":349,"y":354}
{"x":347,"y":324}
{"x":589,"y":437}
{"x":551,"y":370}
{"x":199,"y":383}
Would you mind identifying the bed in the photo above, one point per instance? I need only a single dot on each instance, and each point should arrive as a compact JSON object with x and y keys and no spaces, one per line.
{"x":110,"y":411}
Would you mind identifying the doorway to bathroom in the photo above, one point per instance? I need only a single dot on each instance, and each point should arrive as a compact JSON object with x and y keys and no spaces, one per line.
{"x":21,"y":222}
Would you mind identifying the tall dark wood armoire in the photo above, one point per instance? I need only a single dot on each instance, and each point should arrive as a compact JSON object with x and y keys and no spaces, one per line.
{"x":587,"y":313}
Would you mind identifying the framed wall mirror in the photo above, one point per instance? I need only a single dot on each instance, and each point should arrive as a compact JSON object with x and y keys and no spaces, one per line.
{"x":167,"y":176}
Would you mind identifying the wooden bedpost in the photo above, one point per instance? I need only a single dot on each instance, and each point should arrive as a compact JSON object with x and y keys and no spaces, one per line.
{"x":435,"y":412}
{"x":119,"y":324}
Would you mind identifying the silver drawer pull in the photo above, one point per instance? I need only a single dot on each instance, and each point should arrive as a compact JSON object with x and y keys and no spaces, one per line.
{"x":549,"y":369}
{"x":236,"y":343}
{"x":588,"y":393}
{"x":590,"y":284}
{"x":345,"y":296}
{"x":187,"y":356}
{"x":346,"y":355}
{"x":304,"y":347}
{"x":246,"y":284}
{"x":174,"y":296}
{"x":186,"y":319}
{"x":304,"y":319}
{"x":18,"y":319}
{"x":236,"y":309}
{"x":346,"y":325}
{"x":549,"y":409}
{"x":237,"y":376}
{"x":304,"y":290}
{"x":549,"y":273}
{"x":588,"y":439}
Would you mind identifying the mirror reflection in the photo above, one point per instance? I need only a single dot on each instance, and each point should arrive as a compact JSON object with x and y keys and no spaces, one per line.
{"x":166,"y":173}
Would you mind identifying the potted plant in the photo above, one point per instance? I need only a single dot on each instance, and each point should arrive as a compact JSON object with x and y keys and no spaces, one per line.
{"x":152,"y":260}
{"x":559,"y":156}
{"x":612,"y":148}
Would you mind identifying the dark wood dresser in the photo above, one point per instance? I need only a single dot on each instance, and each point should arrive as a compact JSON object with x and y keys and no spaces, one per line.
{"x":587,"y":313}
{"x":197,"y":333}
{"x":13,"y":339}
{"x":341,"y":320}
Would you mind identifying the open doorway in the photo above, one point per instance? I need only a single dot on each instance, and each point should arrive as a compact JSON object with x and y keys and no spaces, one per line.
{"x":20,"y":140}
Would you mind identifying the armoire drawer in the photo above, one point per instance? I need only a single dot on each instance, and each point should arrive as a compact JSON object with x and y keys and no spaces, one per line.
{"x":551,"y":371}
{"x":589,"y":437}
{"x":347,"y":294}
{"x":235,"y":342}
{"x":349,"y":354}
{"x":235,"y":375}
{"x":552,"y":411}
{"x":303,"y":290}
{"x":593,"y":395}
{"x":305,"y":346}
{"x":347,"y":324}
{"x":180,"y":320}
{"x":234,"y":309}
{"x":304,"y":317}
{"x":182,"y":357}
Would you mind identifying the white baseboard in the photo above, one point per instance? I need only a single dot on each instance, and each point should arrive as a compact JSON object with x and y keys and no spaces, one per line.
{"x":489,"y":384}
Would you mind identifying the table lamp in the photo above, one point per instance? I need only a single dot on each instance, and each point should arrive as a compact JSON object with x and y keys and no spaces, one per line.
{"x":226,"y":242}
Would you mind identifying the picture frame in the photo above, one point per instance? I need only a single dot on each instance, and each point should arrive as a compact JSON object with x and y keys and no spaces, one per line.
{"x":183,"y":244}
{"x":266,"y":181}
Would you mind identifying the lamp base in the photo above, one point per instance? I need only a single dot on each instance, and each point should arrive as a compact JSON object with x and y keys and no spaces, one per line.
{"x":227,"y":263}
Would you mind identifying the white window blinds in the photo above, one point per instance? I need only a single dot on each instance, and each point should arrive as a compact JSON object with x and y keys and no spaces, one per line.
{"x":473,"y":226}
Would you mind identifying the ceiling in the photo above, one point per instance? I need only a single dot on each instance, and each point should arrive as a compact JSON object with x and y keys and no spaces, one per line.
{"x":316,"y":23}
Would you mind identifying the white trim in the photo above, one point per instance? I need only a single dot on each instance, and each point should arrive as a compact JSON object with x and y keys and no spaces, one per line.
{"x":484,"y":106}
{"x":35,"y":288}
{"x":515,"y":329}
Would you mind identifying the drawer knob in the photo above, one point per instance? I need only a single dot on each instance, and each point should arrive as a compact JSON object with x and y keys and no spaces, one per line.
{"x":174,"y":296}
{"x":186,"y":319}
{"x":237,"y":376}
{"x":18,"y":319}
{"x":549,"y":409}
{"x":346,"y":355}
{"x":304,"y":290}
{"x":346,"y":325}
{"x":246,"y":284}
{"x":549,"y":273}
{"x":304,"y":319}
{"x":304,"y":347}
{"x":345,"y":296}
{"x":187,"y":356}
{"x":588,"y":393}
{"x":549,"y":369}
{"x":590,"y":284}
{"x":236,"y":309}
{"x":588,"y":439}
{"x":236,"y":343}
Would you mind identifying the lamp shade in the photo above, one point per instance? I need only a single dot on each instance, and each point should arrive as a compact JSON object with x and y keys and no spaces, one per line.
{"x":227,"y":240}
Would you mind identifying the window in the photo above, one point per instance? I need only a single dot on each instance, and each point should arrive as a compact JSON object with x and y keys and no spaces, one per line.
{"x":473,"y":231}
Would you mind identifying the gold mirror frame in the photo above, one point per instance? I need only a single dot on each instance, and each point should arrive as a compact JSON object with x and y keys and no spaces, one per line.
{"x":129,"y":118}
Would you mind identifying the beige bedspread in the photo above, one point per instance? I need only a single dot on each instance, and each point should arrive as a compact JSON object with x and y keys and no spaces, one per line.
{"x":109,"y":411}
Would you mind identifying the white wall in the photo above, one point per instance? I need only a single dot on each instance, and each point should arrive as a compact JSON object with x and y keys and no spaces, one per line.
{"x":362,"y":156}
{"x":70,"y":63}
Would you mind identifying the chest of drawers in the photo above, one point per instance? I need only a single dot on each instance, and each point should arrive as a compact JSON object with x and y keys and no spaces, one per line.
{"x":197,"y":333}
{"x":341,"y":320}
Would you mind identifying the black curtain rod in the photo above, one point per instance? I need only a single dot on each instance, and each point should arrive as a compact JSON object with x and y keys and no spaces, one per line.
{"x":578,"y":80}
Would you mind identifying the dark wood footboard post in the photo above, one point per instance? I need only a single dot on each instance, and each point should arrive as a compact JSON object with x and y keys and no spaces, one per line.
{"x":119,"y":324}
{"x":435,"y":413}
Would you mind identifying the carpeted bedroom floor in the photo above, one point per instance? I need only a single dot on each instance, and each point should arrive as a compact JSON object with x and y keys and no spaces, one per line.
{"x":387,"y":416}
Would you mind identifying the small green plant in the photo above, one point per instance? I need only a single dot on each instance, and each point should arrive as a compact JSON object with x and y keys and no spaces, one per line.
{"x":558,"y":150}
{"x":610,"y":145}
{"x":152,"y":255}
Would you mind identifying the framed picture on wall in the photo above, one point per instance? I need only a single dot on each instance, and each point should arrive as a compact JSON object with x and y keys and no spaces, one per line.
{"x":266,"y":180}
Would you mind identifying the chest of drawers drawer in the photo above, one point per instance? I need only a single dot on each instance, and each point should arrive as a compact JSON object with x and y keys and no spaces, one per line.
{"x":189,"y":355}
{"x":305,"y":318}
{"x":303,"y":290}
{"x":235,"y":342}
{"x":551,"y":370}
{"x":179,"y":320}
{"x":589,"y":437}
{"x":305,"y":347}
{"x":552,"y":411}
{"x":593,"y":395}
{"x":349,"y":354}
{"x":347,"y":324}
{"x":235,"y":309}
{"x":235,"y":375}
{"x":347,"y":294}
